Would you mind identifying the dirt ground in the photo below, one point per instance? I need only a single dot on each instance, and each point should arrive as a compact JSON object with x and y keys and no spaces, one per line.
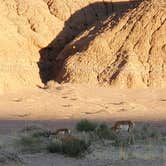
{"x":72,"y":102}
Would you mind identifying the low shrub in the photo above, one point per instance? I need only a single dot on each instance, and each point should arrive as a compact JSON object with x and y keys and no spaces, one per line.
{"x":85,"y":125}
{"x":55,"y":146}
{"x":31,"y":144}
{"x":147,"y":132}
{"x":41,"y":134}
{"x":69,"y":146}
{"x":104,"y":132}
{"x":74,"y":146}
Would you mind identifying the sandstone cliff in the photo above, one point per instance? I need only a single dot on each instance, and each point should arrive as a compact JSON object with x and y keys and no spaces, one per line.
{"x":82,"y":41}
{"x":130,"y":53}
{"x":25,"y":27}
{"x":28,"y":26}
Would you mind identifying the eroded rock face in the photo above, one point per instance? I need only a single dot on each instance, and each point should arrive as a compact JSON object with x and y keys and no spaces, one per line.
{"x":130,"y":53}
{"x":40,"y":40}
{"x":78,"y":16}
{"x":28,"y":26}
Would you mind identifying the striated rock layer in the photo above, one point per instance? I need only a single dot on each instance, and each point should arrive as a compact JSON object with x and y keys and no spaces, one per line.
{"x":130,"y":53}
{"x":28,"y":26}
{"x":78,"y":16}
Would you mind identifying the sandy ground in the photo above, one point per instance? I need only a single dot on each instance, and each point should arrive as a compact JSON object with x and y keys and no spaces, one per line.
{"x":72,"y":102}
{"x":64,"y":105}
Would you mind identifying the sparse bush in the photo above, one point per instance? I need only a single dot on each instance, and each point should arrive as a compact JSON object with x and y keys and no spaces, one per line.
{"x":155,"y":135}
{"x":31,"y":144}
{"x":41,"y":134}
{"x":147,"y":132}
{"x":55,"y":146}
{"x":74,"y":147}
{"x":69,"y":146}
{"x":35,"y":131}
{"x":104,"y":132}
{"x":33,"y":140}
{"x":85,"y":125}
{"x":146,"y":127}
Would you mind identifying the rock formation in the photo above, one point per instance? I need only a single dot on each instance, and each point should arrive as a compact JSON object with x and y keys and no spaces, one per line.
{"x":130,"y":53}
{"x":28,"y":26}
{"x":85,"y":41}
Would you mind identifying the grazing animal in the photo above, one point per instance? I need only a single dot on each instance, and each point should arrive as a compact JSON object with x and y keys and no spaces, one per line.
{"x":123,"y":126}
{"x":59,"y":132}
{"x":62,"y":131}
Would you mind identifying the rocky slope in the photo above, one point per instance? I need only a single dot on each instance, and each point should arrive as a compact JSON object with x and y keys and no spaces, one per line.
{"x":28,"y":26}
{"x":78,"y":16}
{"x":37,"y":37}
{"x":129,"y":54}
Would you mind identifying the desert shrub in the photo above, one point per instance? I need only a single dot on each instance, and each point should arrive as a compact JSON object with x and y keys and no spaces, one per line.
{"x":31,"y":144}
{"x":41,"y":134}
{"x":33,"y":139}
{"x":147,"y":132}
{"x":55,"y":146}
{"x":85,"y":125}
{"x":155,"y":134}
{"x":74,"y":146}
{"x":69,"y":146}
{"x":146,"y":127}
{"x":35,"y":131}
{"x":104,"y":132}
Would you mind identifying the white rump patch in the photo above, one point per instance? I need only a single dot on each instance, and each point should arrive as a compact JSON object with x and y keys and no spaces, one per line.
{"x":124,"y":127}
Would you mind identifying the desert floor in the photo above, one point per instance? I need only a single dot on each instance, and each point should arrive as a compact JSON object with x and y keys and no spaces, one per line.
{"x":64,"y":105}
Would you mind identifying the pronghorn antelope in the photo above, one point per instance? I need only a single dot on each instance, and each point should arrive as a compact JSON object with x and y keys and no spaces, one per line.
{"x":60,"y":132}
{"x":123,"y":126}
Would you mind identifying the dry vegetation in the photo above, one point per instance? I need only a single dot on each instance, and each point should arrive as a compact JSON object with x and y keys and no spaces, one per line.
{"x":86,"y":137}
